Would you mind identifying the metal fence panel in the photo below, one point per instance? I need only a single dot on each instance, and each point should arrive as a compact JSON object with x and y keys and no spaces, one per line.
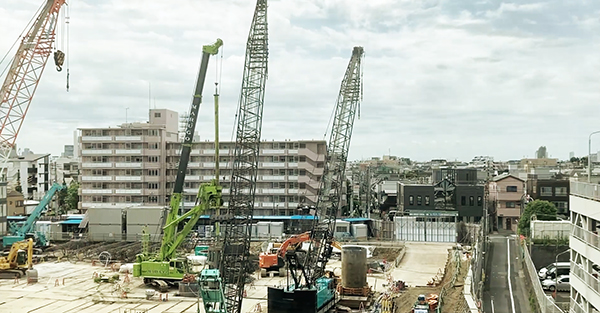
{"x":545,"y":302}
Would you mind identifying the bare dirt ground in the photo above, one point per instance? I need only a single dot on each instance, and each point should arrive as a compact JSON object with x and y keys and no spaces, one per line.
{"x":451,"y":300}
{"x":385,"y":253}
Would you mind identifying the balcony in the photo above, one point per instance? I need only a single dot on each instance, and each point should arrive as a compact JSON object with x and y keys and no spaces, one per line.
{"x":272,"y":164}
{"x":271,"y":178}
{"x":592,"y":282}
{"x":292,"y":177}
{"x":96,"y":165}
{"x":96,"y":138}
{"x":293,"y":164}
{"x":129,"y":165}
{"x":212,"y":164}
{"x":128,"y":138}
{"x":128,"y":191}
{"x":272,"y":151}
{"x":96,"y":191}
{"x":96,"y":178}
{"x":586,"y":236}
{"x":585,"y":190}
{"x":128,"y":178}
{"x":292,"y":191}
{"x":96,"y":152}
{"x":129,"y":151}
{"x":272,"y":191}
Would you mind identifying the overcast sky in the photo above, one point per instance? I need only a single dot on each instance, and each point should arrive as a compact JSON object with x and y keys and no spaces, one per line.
{"x":442,"y":78}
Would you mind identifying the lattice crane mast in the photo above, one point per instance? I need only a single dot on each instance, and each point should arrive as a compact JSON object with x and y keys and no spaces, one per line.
{"x":331,"y":186}
{"x":236,"y":224}
{"x":24,"y":75}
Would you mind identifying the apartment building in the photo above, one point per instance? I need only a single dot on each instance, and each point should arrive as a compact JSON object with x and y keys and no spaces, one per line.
{"x":585,"y":248}
{"x":507,"y":192}
{"x":136,"y":164}
{"x":125,"y":166}
{"x":553,"y":190}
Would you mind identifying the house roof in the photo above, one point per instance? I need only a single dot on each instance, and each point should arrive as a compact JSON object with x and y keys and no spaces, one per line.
{"x":505,"y":175}
{"x":29,"y":157}
{"x":14,"y":193}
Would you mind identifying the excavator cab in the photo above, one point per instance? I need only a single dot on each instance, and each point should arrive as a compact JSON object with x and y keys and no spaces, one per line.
{"x":21,"y":257}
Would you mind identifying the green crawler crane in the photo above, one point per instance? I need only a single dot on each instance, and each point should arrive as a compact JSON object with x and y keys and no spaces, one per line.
{"x":165,"y":267}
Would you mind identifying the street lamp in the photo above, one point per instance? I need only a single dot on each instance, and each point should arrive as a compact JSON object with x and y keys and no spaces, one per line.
{"x":556,"y":272}
{"x":590,"y":156}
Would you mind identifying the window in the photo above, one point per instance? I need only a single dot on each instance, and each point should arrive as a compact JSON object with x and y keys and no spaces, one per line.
{"x":153,"y":159}
{"x":411,"y":200}
{"x":560,"y":191}
{"x":511,"y":188}
{"x":152,"y":185}
{"x":340,"y":229}
{"x":479,"y":201}
{"x":561,"y":204}
{"x":302,"y":159}
{"x":546,"y":191}
{"x":153,"y":199}
{"x":510,"y":204}
{"x":156,"y":114}
{"x":426,"y":200}
{"x":419,"y":200}
{"x":153,"y":145}
{"x":471,"y":201}
{"x":152,"y":172}
{"x":302,"y":145}
{"x":463,"y":200}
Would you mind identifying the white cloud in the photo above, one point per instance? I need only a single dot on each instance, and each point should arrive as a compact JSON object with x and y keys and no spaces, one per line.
{"x":475,"y":78}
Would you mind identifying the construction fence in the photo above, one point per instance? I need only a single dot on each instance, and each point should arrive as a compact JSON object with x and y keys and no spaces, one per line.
{"x":545,"y":303}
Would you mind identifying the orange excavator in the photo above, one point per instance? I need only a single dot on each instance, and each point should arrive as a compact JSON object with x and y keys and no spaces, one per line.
{"x":273,"y":260}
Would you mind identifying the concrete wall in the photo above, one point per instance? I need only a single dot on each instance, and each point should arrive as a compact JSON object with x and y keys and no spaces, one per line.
{"x":550,"y":229}
{"x":543,"y":255}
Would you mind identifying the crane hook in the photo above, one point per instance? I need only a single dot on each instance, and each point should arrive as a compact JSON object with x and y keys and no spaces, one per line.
{"x":59,"y":59}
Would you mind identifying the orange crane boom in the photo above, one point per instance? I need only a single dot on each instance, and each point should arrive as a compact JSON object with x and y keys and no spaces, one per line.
{"x":24,"y":75}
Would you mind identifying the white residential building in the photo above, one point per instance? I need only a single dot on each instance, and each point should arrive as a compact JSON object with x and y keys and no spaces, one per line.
{"x":585,"y":247}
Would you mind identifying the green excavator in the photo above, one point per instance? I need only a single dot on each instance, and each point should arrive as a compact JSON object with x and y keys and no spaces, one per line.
{"x":166,"y":268}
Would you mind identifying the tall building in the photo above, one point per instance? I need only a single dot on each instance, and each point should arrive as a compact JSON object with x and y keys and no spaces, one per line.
{"x":585,"y":250}
{"x":136,"y":164}
{"x":541,"y":153}
{"x":125,"y":166}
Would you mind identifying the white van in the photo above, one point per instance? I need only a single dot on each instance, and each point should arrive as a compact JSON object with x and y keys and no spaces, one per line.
{"x":549,"y":271}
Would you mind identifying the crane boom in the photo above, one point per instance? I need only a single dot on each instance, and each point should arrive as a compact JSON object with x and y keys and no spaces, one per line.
{"x":331,"y":186}
{"x":165,"y":266}
{"x":237,"y":227}
{"x":24,"y":75}
{"x":170,"y":239}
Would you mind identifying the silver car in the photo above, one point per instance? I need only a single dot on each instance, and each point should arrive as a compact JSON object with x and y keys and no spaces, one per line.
{"x":560,"y":284}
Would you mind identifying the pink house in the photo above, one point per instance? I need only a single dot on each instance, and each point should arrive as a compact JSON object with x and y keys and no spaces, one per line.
{"x":506,"y":194}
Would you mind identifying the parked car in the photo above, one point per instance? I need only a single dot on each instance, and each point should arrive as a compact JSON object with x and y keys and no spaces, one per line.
{"x":550,"y":271}
{"x":560,"y":284}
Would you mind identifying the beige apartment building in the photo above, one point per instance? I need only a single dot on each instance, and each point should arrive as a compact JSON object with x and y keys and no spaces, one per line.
{"x":136,"y":164}
{"x":507,"y":194}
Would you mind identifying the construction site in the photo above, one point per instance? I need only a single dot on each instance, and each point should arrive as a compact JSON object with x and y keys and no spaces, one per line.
{"x":74,"y":277}
{"x":169,"y":267}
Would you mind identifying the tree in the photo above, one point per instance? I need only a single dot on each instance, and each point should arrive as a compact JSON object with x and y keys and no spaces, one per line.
{"x":61,"y":198}
{"x":18,"y":186}
{"x":542,"y":209}
{"x":72,"y":197}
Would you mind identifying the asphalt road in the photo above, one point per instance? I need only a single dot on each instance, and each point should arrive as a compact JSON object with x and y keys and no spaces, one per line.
{"x":501,"y":294}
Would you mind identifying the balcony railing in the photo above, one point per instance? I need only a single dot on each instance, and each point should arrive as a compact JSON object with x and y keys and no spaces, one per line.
{"x":587,"y":236}
{"x":586,"y":190}
{"x":586,"y":277}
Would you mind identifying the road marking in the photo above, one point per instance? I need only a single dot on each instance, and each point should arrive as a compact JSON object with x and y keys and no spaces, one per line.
{"x":512,"y":299}
{"x":492,"y":305}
